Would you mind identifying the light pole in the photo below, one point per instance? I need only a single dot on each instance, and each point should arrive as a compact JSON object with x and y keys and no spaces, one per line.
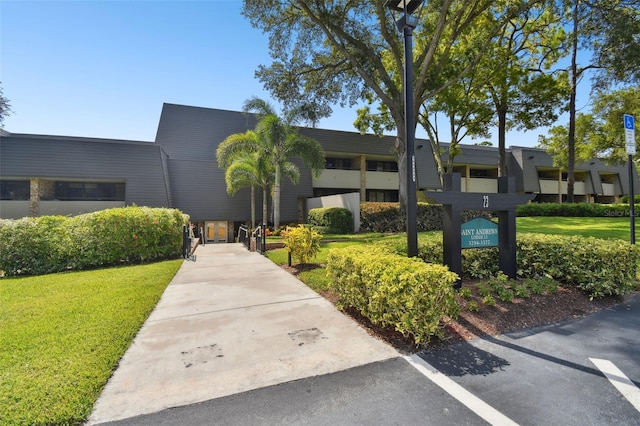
{"x":406,"y":24}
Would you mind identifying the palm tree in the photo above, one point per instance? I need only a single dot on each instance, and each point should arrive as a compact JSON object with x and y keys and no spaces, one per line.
{"x":275,"y":141}
{"x":245,"y":169}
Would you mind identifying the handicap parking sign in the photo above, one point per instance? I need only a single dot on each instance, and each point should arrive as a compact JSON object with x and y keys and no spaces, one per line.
{"x":630,"y":134}
{"x":629,"y":122}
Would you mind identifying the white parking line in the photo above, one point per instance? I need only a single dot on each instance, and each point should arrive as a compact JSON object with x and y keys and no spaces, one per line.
{"x":475,"y":404}
{"x":619,"y":380}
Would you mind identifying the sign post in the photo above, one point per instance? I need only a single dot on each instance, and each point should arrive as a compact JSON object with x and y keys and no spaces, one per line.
{"x":479,"y":233}
{"x":630,"y":145}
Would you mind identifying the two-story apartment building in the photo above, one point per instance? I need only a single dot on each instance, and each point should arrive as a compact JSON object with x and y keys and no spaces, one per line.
{"x":43,"y":175}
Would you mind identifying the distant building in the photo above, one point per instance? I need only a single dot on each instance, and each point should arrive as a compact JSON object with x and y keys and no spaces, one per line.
{"x":45,"y":175}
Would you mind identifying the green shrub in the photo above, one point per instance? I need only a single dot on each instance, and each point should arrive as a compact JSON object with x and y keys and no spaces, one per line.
{"x":489,"y":300}
{"x":42,"y":245}
{"x":465,"y":292}
{"x":598,"y":267}
{"x":572,"y":209}
{"x":302,"y":242}
{"x":332,"y":220}
{"x":636,"y":199}
{"x":33,"y":246}
{"x":521,"y":291}
{"x":506,"y":295}
{"x":476,"y":263}
{"x":380,"y":217}
{"x":387,"y":217}
{"x":472,"y":306}
{"x":484,"y":289}
{"x":393,"y":290}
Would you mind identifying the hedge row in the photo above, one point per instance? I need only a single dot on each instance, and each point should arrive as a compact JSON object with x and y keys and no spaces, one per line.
{"x":387,"y":217}
{"x":393,"y":290}
{"x":331,"y":220}
{"x":572,"y":209}
{"x":46,"y":244}
{"x":597,"y":267}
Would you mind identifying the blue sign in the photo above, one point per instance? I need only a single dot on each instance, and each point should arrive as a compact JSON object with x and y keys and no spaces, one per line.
{"x":629,"y":122}
{"x":479,"y":233}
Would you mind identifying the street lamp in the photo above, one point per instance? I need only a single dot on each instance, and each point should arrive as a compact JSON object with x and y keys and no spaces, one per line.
{"x":406,"y":24}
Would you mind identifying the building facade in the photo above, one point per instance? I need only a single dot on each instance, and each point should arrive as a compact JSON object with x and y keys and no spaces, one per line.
{"x":45,"y":175}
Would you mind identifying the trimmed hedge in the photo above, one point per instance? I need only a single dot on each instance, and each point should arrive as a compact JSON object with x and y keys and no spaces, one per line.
{"x":332,"y":220}
{"x":393,"y":290}
{"x":597,"y":267}
{"x":572,"y":209}
{"x":387,"y":217}
{"x":42,"y":245}
{"x":476,"y":263}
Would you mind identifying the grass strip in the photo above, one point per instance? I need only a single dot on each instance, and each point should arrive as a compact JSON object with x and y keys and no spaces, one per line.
{"x":62,"y":335}
{"x":598,"y":227}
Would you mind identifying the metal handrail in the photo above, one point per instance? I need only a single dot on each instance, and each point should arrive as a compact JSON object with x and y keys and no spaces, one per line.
{"x":243,"y":236}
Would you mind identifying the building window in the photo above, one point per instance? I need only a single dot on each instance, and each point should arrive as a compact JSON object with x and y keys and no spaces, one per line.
{"x":608,"y":178}
{"x":380,"y":196}
{"x":382,"y":166}
{"x":15,"y":190}
{"x":89,"y":191}
{"x":483,"y":173}
{"x":548,"y":174}
{"x":324,"y":192}
{"x":338,"y":163}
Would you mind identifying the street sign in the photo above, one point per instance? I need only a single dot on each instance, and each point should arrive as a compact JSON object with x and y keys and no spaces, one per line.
{"x":630,"y":134}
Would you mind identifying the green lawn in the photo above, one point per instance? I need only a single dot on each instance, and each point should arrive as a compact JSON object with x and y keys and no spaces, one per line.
{"x":61,"y":336}
{"x":599,"y":227}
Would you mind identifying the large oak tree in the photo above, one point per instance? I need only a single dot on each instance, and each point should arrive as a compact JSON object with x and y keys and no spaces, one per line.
{"x":345,"y":52}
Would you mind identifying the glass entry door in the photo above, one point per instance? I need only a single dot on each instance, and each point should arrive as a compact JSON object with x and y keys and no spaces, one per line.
{"x":216,"y":232}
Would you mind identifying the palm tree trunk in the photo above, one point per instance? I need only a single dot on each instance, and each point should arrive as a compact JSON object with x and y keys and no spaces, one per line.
{"x":276,"y":197}
{"x":253,"y":206}
{"x":265,"y":205}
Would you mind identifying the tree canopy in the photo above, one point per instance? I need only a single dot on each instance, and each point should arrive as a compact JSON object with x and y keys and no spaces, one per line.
{"x":332,"y":52}
{"x":5,"y":107}
{"x":600,"y":133}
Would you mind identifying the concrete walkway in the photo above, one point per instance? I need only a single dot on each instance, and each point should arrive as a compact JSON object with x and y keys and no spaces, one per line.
{"x":230,"y":322}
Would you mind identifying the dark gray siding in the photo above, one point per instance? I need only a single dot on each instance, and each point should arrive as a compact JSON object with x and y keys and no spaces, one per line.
{"x":474,"y":154}
{"x":139,"y":164}
{"x":199,"y":189}
{"x":193,"y":133}
{"x":529,"y":159}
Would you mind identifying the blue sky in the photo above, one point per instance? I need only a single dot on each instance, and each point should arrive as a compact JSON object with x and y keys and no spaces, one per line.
{"x":104,"y":68}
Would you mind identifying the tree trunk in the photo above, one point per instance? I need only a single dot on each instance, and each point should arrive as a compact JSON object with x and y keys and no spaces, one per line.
{"x":276,"y":197}
{"x":571,"y":142}
{"x":452,"y":144}
{"x":435,"y":148}
{"x":265,"y":205}
{"x":253,"y":207}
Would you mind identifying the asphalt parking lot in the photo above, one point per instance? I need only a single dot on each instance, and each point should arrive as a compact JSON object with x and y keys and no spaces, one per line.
{"x":580,"y":372}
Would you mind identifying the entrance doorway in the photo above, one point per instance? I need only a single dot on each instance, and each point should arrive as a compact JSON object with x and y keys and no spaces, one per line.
{"x":216,"y":232}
